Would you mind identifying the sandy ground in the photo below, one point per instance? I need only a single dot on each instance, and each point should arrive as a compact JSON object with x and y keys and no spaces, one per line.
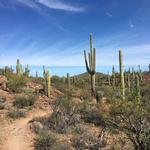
{"x":20,"y":137}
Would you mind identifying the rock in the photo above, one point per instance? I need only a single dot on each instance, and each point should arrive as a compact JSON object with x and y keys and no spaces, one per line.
{"x":3,"y":79}
{"x":2,"y":99}
{"x":36,"y":126}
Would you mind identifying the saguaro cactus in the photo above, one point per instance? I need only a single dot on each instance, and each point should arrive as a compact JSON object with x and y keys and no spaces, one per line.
{"x":108,"y":78}
{"x":113,"y":76}
{"x":122,"y":74}
{"x":18,"y":68}
{"x":140,"y":73}
{"x":27,"y":71}
{"x":44,"y":71}
{"x":91,"y":64}
{"x":47,"y":83}
{"x":36,"y":74}
{"x":128,"y":82}
{"x":68,"y":80}
{"x":138,"y":88}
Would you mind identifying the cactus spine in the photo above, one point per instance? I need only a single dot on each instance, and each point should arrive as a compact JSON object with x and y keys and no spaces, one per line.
{"x":18,"y":68}
{"x":91,"y":64}
{"x":47,"y":83}
{"x":122,"y":74}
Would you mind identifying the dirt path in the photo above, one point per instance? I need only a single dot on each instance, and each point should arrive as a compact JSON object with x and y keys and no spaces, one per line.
{"x":20,"y":136}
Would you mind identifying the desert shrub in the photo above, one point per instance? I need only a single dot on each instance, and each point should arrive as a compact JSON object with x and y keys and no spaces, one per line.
{"x":16,"y":83}
{"x":15,"y":114}
{"x":38,"y":80}
{"x":24,"y":101}
{"x":93,"y":116}
{"x":65,"y":114}
{"x":78,"y":130}
{"x":45,"y":141}
{"x":132,"y":119}
{"x":89,"y":141}
{"x":28,"y":90}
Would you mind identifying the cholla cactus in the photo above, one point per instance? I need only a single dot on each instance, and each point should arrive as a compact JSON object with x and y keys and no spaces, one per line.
{"x":18,"y":68}
{"x":91,"y":64}
{"x":122,"y":74}
{"x":47,"y":83}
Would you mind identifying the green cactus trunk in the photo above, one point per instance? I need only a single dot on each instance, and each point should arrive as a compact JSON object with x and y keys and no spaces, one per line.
{"x":18,"y":68}
{"x":27,"y":71}
{"x":47,"y":83}
{"x":44,"y":71}
{"x":129,"y":83}
{"x":138,"y":95}
{"x":36,"y":74}
{"x":122,"y":74}
{"x":91,"y":64}
{"x":68,"y":80}
{"x":140,"y":73}
{"x":113,"y":76}
{"x":108,"y":79}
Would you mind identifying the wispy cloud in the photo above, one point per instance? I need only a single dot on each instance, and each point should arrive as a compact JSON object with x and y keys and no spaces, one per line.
{"x":57,"y":4}
{"x":109,"y":14}
{"x":28,"y":3}
{"x":51,"y":4}
{"x":131,"y":25}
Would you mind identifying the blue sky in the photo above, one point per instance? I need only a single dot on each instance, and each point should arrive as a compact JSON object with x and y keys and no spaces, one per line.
{"x":55,"y":32}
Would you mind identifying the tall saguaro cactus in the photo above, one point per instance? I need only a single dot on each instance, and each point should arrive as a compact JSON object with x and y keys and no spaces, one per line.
{"x":91,"y":64}
{"x":108,"y":78}
{"x":68,"y":80}
{"x":18,"y":68}
{"x":129,"y":82}
{"x":47,"y":83}
{"x":27,"y":71}
{"x":122,"y":74}
{"x":44,"y":71}
{"x":113,"y":76}
{"x":138,"y":88}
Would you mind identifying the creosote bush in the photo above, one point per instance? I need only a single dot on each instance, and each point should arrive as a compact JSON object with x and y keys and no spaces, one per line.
{"x":22,"y":101}
{"x":89,"y":141}
{"x":15,"y":114}
{"x":65,"y":114}
{"x":49,"y":141}
{"x":132,"y":119}
{"x":16,"y":83}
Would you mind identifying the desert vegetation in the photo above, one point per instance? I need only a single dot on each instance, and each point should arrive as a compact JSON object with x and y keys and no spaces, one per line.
{"x":88,"y":111}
